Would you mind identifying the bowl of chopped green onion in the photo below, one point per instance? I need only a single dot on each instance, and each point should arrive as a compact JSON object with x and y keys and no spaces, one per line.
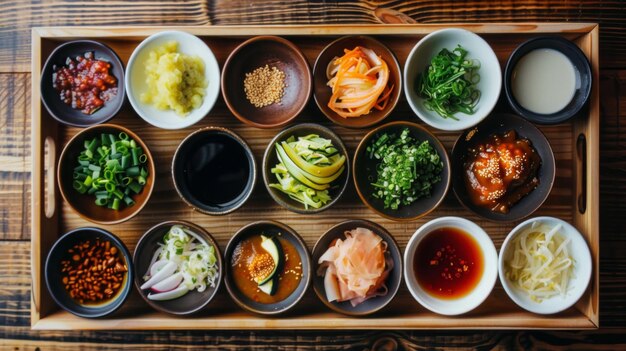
{"x":106,"y":174}
{"x":401,"y":171}
{"x":306,"y":168}
{"x":452,"y":79}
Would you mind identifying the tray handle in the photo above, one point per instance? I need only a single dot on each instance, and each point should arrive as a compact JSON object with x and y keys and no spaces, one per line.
{"x":581,"y":171}
{"x":45,"y":221}
{"x":49,"y":199}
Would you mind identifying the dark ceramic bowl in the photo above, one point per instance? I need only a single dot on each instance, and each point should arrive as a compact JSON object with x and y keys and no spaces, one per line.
{"x":84,"y":204}
{"x":65,"y":113}
{"x":323,"y":92}
{"x":187,"y":155}
{"x":373,"y":304}
{"x":269,"y":228}
{"x":582,"y":70}
{"x":270,"y":159}
{"x":364,"y":171}
{"x":501,"y":123}
{"x":192,"y":302}
{"x":52,"y":271}
{"x":275,"y":52}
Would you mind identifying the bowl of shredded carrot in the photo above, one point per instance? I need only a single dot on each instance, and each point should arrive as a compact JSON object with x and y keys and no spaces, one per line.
{"x":357,"y":81}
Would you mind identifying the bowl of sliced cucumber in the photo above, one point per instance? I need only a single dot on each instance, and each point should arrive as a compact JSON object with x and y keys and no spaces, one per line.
{"x":306,"y":168}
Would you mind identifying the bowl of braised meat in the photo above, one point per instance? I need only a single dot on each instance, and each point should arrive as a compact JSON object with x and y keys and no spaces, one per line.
{"x":506,"y":168}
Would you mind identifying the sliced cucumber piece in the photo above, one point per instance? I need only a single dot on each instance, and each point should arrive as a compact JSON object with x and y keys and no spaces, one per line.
{"x":270,"y":286}
{"x":273,"y":247}
{"x":296,"y":172}
{"x":309,"y":168}
{"x":331,"y":151}
{"x":292,"y":167}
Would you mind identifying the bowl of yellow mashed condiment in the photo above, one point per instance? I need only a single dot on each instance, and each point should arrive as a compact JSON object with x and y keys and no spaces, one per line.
{"x":172,"y":79}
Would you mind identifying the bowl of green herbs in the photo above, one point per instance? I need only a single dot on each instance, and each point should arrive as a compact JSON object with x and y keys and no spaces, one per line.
{"x":452,"y":79}
{"x":106,"y":174}
{"x":401,"y":171}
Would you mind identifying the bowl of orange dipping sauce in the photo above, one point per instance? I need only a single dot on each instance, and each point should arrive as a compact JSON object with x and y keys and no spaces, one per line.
{"x":267,"y":267}
{"x":450,"y":265}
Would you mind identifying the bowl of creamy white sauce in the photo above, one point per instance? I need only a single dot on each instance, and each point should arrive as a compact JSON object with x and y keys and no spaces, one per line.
{"x":548,"y":80}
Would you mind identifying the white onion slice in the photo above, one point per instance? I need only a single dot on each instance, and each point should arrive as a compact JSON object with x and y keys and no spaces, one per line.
{"x":166,"y":271}
{"x":167,"y":284}
{"x":169,"y":295}
{"x":157,"y":266}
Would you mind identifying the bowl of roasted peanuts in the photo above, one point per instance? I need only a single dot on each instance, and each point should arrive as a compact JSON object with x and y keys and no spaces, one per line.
{"x":88,"y":272}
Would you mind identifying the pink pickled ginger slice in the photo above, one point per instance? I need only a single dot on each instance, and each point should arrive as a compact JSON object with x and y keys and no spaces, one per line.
{"x":355,"y":268}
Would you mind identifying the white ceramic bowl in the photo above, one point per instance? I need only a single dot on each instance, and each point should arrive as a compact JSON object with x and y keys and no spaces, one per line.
{"x":579,"y":251}
{"x":490,"y":83}
{"x":481,"y":291}
{"x":136,"y":79}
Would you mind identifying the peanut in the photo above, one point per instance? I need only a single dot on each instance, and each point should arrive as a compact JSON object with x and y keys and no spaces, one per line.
{"x":92,"y":268}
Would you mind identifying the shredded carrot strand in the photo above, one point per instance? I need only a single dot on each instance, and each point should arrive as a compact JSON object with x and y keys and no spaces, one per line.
{"x":384,"y":99}
{"x":360,"y":83}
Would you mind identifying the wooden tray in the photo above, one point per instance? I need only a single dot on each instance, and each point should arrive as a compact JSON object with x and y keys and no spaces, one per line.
{"x":575,"y":196}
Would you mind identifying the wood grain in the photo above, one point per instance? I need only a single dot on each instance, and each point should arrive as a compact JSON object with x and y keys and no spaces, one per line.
{"x":14,"y":155}
{"x":613,"y":156}
{"x":20,"y":16}
{"x":15,"y":292}
{"x":383,"y":341}
{"x":607,"y":13}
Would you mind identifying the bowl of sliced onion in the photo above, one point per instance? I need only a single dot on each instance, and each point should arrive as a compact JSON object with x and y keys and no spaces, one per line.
{"x":180,"y":267}
{"x":357,"y":81}
{"x":545,"y":265}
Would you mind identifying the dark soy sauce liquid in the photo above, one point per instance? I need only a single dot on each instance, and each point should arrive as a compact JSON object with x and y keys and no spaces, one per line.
{"x":216,"y":170}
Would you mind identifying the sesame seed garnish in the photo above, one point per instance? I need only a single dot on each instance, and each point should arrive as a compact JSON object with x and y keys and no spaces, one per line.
{"x":261,"y":265}
{"x":265,"y":86}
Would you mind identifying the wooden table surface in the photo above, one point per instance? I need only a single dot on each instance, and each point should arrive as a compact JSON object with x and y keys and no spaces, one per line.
{"x":18,"y":16}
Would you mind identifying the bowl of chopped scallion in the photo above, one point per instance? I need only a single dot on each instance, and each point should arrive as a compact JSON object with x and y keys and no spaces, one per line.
{"x":452,"y":79}
{"x":401,"y":171}
{"x":106,"y":174}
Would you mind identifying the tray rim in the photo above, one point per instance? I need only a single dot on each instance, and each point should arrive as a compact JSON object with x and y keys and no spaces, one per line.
{"x":589,"y":220}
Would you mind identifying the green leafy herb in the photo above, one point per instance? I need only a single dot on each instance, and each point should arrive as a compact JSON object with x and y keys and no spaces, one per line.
{"x":408,"y":169}
{"x":112,"y":169}
{"x":449,"y":83}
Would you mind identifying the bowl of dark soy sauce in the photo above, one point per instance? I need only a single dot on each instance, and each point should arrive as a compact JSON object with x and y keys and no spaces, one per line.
{"x":214,"y":170}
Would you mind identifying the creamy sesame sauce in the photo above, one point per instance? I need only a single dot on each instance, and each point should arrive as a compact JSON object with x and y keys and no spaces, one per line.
{"x":544,"y":81}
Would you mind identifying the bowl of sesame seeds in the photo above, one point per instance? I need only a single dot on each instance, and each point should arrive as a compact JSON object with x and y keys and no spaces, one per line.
{"x":266,"y":82}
